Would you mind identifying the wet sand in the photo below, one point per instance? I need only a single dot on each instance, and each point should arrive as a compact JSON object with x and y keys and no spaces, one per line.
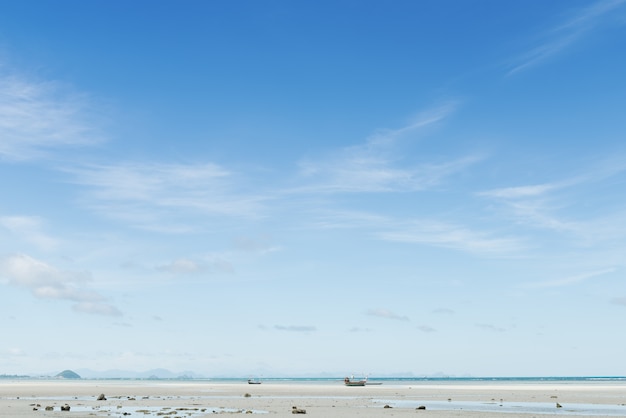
{"x":193,"y":399}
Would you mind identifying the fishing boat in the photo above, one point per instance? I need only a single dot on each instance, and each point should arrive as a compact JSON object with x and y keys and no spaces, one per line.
{"x":349,"y":381}
{"x":254,"y":382}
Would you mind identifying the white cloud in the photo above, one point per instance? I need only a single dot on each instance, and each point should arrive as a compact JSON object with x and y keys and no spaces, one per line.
{"x":47,"y":282}
{"x":37,"y":118}
{"x":520,"y":191}
{"x":22,"y":270}
{"x":384,"y":313}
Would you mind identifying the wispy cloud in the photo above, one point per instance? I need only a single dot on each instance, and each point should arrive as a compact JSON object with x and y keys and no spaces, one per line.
{"x":430,"y":232}
{"x":426,"y":328}
{"x":387,"y":314}
{"x":97,"y":308}
{"x":188,"y":266}
{"x":295,"y":328}
{"x":182,"y":266}
{"x":148,"y":193}
{"x":451,"y":236}
{"x":28,"y":229}
{"x":47,"y":282}
{"x":537,"y":210}
{"x":422,"y":120}
{"x":358,"y":329}
{"x":37,"y":118}
{"x":520,"y":192}
{"x":491,"y":327}
{"x":619,"y":301}
{"x":571,"y":280}
{"x":254,"y":244}
{"x":444,"y":311}
{"x":378,"y":165}
{"x":564,"y":35}
{"x":556,"y":206}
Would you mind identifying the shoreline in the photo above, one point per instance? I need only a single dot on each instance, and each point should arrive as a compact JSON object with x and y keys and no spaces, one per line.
{"x":194,"y":399}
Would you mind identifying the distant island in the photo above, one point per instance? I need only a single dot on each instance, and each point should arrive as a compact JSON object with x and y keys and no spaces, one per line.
{"x":67,"y":374}
{"x":14,"y":376}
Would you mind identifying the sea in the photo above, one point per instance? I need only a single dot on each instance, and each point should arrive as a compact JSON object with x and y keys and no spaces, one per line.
{"x":409,"y":380}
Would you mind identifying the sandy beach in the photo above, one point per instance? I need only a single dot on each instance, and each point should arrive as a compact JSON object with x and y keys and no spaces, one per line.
{"x":44,"y":398}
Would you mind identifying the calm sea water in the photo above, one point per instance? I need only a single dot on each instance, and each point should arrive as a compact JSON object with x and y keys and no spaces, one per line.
{"x":408,"y":380}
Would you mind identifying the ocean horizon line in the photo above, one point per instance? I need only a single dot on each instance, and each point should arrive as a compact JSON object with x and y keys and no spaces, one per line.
{"x":372,"y":378}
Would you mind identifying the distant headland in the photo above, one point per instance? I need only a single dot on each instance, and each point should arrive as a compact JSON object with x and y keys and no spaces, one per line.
{"x":68,"y":374}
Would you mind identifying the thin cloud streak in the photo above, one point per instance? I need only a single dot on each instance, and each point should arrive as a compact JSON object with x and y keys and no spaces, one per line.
{"x":564,"y":35}
{"x":376,"y":165}
{"x":521,"y":191}
{"x":37,"y":118}
{"x":387,"y":314}
{"x":426,"y":328}
{"x":429,"y":232}
{"x":148,"y":193}
{"x":543,"y":205}
{"x":455,"y":237}
{"x":182,"y":266}
{"x":528,"y":204}
{"x":421,"y":121}
{"x":377,"y":174}
{"x":569,"y":281}
{"x":490,"y":327}
{"x":28,"y":229}
{"x":295,"y":328}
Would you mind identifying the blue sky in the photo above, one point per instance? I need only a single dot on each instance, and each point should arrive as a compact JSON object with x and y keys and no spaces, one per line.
{"x":298,"y":188}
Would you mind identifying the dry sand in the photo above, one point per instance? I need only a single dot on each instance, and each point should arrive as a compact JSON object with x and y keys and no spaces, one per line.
{"x":29,"y":398}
